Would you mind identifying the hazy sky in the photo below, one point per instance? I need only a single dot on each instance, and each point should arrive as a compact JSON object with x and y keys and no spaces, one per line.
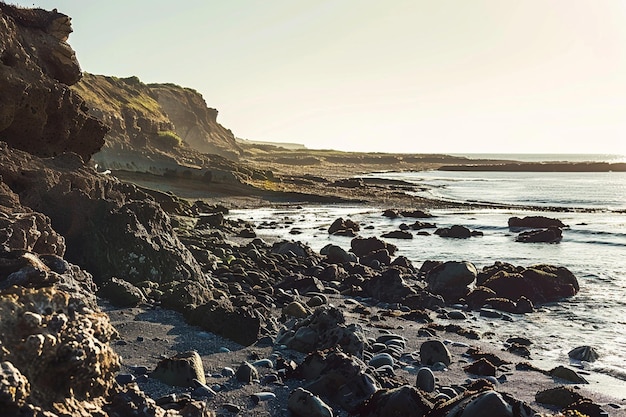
{"x":417,"y":76}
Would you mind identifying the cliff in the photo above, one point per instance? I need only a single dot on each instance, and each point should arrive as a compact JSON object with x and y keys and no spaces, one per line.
{"x":39,"y":113}
{"x":194,"y":122}
{"x":65,"y":230}
{"x":161,"y":129}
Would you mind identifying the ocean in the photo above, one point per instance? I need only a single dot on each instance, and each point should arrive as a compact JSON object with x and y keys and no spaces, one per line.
{"x":593,"y":247}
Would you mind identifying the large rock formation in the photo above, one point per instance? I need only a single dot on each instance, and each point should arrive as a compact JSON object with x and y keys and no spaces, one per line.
{"x":55,"y":351}
{"x":38,"y":111}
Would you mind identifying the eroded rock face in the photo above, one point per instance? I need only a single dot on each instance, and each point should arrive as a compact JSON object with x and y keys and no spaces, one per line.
{"x":194,"y":122}
{"x":38,"y":111}
{"x":110,"y":228}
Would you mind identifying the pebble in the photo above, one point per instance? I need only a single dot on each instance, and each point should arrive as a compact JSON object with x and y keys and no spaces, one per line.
{"x":231,"y":408}
{"x":124,"y":379}
{"x":262,"y":396}
{"x":228,"y":372}
{"x":246,"y":373}
{"x":263,"y":363}
{"x":223,"y":350}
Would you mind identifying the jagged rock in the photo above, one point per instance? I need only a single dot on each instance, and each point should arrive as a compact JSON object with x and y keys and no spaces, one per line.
{"x":339,"y":377}
{"x":246,"y":373}
{"x":481,"y":367}
{"x":14,"y":388}
{"x":398,"y":234}
{"x":121,"y":293}
{"x":458,"y":232}
{"x":336,"y":254}
{"x":451,"y":279}
{"x":324,"y":329}
{"x":67,"y":362}
{"x":241,"y":324}
{"x":389,"y":287}
{"x":184,"y":295}
{"x":568,"y":374}
{"x":560,"y":396}
{"x":180,"y":370}
{"x":38,"y":111}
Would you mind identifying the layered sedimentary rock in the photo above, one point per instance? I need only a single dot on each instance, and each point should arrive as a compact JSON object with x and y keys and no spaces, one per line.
{"x":38,"y":111}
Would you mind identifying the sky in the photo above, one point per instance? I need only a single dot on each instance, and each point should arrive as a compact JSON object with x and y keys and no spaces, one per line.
{"x":415,"y":76}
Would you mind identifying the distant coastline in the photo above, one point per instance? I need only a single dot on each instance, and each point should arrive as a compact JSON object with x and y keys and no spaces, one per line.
{"x":546,"y":157}
{"x":540,"y":167}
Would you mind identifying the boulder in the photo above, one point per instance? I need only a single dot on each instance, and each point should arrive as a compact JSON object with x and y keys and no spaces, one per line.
{"x":14,"y":388}
{"x":388,"y":287}
{"x":180,"y":370}
{"x":404,"y":400}
{"x":584,"y":353}
{"x":241,"y":324}
{"x":451,"y":279}
{"x":305,"y":404}
{"x":121,"y":293}
{"x":433,"y":351}
{"x":362,"y":246}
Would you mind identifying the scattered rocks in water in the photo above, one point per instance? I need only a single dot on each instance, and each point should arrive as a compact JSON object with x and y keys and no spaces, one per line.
{"x":180,"y":370}
{"x":584,"y":353}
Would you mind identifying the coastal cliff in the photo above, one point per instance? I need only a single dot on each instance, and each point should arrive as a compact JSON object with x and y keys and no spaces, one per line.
{"x":161,"y":129}
{"x":65,"y":231}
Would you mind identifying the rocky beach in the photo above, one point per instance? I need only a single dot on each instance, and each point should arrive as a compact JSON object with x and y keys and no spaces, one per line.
{"x":128,"y":289}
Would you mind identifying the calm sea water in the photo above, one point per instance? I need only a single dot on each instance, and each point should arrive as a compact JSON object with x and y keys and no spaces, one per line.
{"x":593,"y":205}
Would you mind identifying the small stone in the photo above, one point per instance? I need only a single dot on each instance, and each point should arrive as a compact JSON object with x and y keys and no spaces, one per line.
{"x":231,"y":408}
{"x":228,"y":372}
{"x":124,"y":379}
{"x":246,"y":373}
{"x":262,"y":396}
{"x":425,"y":380}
